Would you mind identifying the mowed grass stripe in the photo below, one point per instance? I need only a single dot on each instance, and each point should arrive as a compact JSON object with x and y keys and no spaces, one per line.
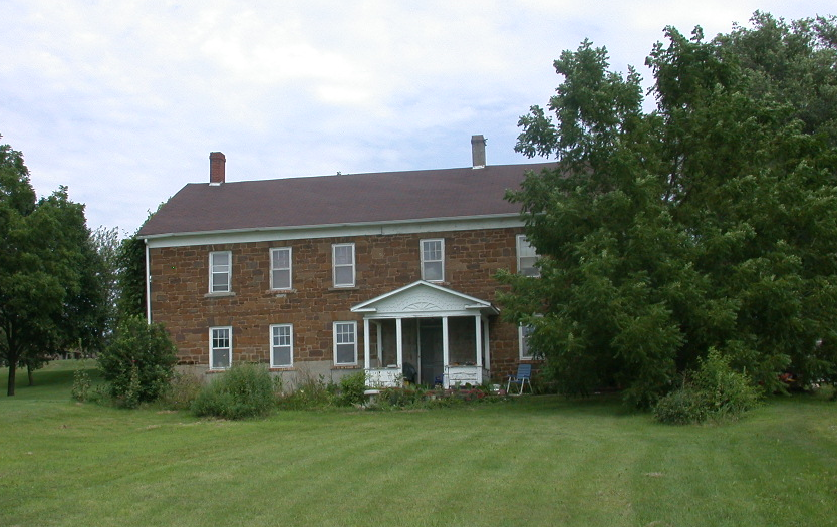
{"x":562,"y":462}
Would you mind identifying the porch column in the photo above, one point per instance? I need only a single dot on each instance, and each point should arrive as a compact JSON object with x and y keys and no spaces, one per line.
{"x":398,"y":350}
{"x":379,"y":344}
{"x":445,"y":353}
{"x":418,"y":350}
{"x":486,"y":343}
{"x":478,"y":339}
{"x":366,"y":348}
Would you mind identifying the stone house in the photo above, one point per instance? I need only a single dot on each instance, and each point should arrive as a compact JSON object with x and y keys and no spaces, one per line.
{"x":392,"y":273}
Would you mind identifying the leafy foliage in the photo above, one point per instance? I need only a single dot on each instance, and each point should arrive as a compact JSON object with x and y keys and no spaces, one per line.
{"x":129,"y":266}
{"x":181,"y":392}
{"x":50,"y":272}
{"x":130,"y":277}
{"x":710,"y":221}
{"x":715,"y":391}
{"x":81,"y":383}
{"x":244,"y":391}
{"x":310,"y":392}
{"x":139,"y":363}
{"x":352,"y":389}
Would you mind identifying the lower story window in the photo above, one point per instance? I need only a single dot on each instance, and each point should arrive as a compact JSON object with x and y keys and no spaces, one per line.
{"x":525,"y":333}
{"x":281,"y":346}
{"x":220,"y":348}
{"x":345,"y":343}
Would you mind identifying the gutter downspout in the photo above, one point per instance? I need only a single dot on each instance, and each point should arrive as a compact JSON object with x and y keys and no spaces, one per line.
{"x":148,"y":280}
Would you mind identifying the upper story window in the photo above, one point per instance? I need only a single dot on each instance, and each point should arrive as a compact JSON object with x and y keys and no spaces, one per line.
{"x":281,"y":345}
{"x":345,"y":343}
{"x":526,"y":257}
{"x":280,"y":268}
{"x":433,"y":260}
{"x":343,"y":264}
{"x":220,"y":348}
{"x":220,"y":271}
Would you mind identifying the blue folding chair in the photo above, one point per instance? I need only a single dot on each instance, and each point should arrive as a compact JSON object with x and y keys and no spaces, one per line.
{"x":524,"y":375}
{"x":439,"y":380}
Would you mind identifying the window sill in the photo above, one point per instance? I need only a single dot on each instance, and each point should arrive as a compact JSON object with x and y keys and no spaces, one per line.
{"x":281,"y":368}
{"x":345,"y":367}
{"x":219,"y":295}
{"x":347,"y":288}
{"x":216,"y":370}
{"x":281,"y":292}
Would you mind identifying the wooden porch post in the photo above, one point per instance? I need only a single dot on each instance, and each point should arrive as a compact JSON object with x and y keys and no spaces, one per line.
{"x":366,"y":346}
{"x":418,"y":350}
{"x":486,"y":343}
{"x":445,"y":353}
{"x":398,"y":350}
{"x":379,"y":343}
{"x":478,"y":339}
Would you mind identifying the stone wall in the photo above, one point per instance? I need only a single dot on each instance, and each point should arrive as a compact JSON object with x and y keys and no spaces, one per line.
{"x":180,"y":287}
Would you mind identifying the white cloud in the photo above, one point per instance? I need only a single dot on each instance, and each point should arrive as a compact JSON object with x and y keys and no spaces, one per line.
{"x":123,"y":101}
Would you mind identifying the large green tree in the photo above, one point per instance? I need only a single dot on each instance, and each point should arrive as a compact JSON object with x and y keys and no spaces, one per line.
{"x":49,"y":292}
{"x":709,"y":221}
{"x":131,"y":278}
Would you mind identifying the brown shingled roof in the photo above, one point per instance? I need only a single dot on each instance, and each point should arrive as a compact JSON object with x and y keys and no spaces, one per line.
{"x":343,"y":199}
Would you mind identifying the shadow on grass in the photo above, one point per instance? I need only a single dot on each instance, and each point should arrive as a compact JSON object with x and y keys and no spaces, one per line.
{"x":604,"y":404}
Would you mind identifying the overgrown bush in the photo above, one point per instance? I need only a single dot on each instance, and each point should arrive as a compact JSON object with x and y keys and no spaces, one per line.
{"x":81,"y":383}
{"x":714,"y":391}
{"x":420,"y":397}
{"x":685,"y":405}
{"x":352,"y":388}
{"x":245,"y":390}
{"x":181,"y":392}
{"x":310,"y":392}
{"x":398,"y":397}
{"x":139,"y":362}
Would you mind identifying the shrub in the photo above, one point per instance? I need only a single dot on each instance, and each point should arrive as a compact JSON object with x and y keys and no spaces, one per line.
{"x":728,"y":393}
{"x":81,"y":383}
{"x":139,"y":362}
{"x":245,"y":390}
{"x":714,"y":391}
{"x":683,"y":406}
{"x":418,"y":397}
{"x":352,"y":388}
{"x":181,"y":392}
{"x":401,"y":397}
{"x":310,"y":392}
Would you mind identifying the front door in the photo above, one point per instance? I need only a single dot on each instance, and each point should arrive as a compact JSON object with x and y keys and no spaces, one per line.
{"x":430,"y":350}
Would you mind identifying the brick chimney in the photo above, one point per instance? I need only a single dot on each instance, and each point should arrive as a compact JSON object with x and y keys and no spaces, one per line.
{"x":217,"y":173}
{"x":478,"y":151}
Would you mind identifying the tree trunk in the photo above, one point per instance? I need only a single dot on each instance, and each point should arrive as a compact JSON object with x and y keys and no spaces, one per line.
{"x":29,"y":372}
{"x":12,"y":370}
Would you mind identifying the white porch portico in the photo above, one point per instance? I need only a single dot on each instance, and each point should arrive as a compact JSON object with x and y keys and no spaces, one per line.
{"x":427,"y":334}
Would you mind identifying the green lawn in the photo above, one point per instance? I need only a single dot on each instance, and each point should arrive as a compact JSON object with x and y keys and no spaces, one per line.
{"x":534,"y":461}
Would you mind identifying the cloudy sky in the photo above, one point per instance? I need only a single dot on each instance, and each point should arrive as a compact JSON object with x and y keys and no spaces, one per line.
{"x":122,"y":102}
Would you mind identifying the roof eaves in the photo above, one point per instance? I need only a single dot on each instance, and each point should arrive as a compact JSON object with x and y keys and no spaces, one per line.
{"x":329,"y":226}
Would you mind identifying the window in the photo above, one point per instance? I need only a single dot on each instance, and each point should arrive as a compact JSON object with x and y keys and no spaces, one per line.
{"x":281,"y":345}
{"x":526,"y":258}
{"x":433,"y":260}
{"x":220,"y":269}
{"x":280,"y":268}
{"x":345,"y":343}
{"x":525,"y":352}
{"x":220,"y":348}
{"x":343,"y":259}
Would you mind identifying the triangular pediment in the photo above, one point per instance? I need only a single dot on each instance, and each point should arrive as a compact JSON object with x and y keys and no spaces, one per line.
{"x":424,"y":299}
